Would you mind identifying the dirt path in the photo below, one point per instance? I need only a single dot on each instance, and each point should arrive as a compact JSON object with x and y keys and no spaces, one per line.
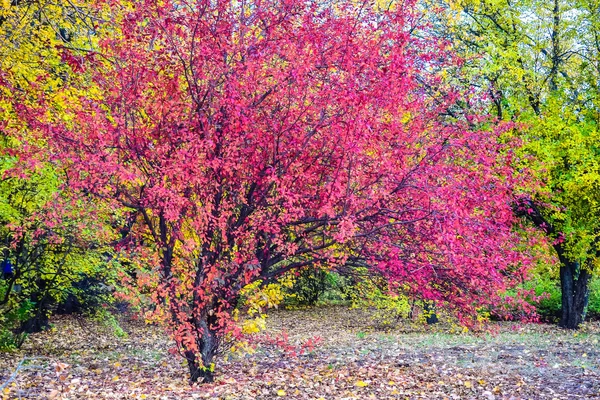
{"x":352,"y":361}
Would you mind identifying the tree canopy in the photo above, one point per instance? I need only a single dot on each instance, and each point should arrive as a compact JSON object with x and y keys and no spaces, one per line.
{"x":242,"y":140}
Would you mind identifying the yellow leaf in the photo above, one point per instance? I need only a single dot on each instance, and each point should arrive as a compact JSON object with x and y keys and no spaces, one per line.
{"x":361,"y":384}
{"x":391,"y":383}
{"x":281,"y":393}
{"x":468,"y":384}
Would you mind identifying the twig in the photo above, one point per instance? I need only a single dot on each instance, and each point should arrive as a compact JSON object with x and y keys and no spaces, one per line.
{"x":14,"y":374}
{"x":19,"y":367}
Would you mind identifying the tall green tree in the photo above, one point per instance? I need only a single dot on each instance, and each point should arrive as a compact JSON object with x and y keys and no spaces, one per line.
{"x":539,"y":63}
{"x":50,"y":239}
{"x":48,"y":244}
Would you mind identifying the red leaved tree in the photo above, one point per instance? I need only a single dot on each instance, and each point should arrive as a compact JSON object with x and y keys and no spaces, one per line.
{"x":251,"y":138}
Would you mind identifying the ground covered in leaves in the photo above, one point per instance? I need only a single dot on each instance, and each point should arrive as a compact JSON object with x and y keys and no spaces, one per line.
{"x":80,"y":359}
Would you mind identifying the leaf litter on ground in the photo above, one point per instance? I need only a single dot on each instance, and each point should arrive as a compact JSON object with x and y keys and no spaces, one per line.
{"x":351,"y":361}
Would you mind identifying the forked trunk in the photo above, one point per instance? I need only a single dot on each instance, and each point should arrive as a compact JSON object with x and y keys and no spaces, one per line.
{"x":201,"y":365}
{"x":575,"y":294}
{"x":199,"y":372}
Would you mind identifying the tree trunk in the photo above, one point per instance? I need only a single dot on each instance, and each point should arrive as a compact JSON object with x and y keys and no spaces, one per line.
{"x":430,"y":314}
{"x":199,"y":373}
{"x":574,"y":278}
{"x":39,"y":321}
{"x":201,"y":366}
{"x":575,"y":294}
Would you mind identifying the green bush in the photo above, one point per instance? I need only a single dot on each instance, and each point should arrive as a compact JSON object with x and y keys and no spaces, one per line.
{"x":11,"y":341}
{"x":549,"y":307}
{"x":359,"y":290}
{"x":386,"y":309}
{"x":10,"y":336}
{"x":313,"y":285}
{"x":594,"y":304}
